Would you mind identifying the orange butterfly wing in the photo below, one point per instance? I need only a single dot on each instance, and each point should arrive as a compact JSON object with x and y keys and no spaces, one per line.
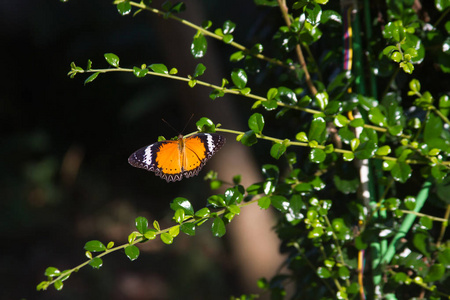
{"x":173,"y":160}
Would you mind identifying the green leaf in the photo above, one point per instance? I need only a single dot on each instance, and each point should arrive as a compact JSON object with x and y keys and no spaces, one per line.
{"x":344,"y":273}
{"x":217,"y":201}
{"x":138,"y":72}
{"x":188,"y":228}
{"x":366,"y":150}
{"x":317,"y":130}
{"x":322,"y":100}
{"x":199,"y":45}
{"x":233,"y":196}
{"x":179,"y":216}
{"x":269,"y":105}
{"x":444,"y":257}
{"x":317,"y":155}
{"x":301,"y":136}
{"x":218,"y":227}
{"x":426,"y":222}
{"x":248,"y":138}
{"x":96,"y":262}
{"x":264,"y":202}
{"x":94,"y":246}
{"x":124,"y":8}
{"x":331,"y":16}
{"x":58,"y":285}
{"x":205,"y":125}
{"x":444,"y":105}
{"x":132,"y":252}
{"x":184,"y":204}
{"x":239,"y":78}
{"x":346,"y":185}
{"x":340,"y":120}
{"x":401,"y":172}
{"x":237,"y":56}
{"x":199,"y":70}
{"x":52,"y":272}
{"x":112,"y":59}
{"x":228,"y":27}
{"x":159,"y":68}
{"x":435,"y":273}
{"x":376,"y":117}
{"x":420,"y":242}
{"x":141,"y":224}
{"x":277,"y":150}
{"x":227,"y":38}
{"x":256,"y":123}
{"x":202,"y":213}
{"x":271,"y":93}
{"x":166,"y":238}
{"x":313,"y":13}
{"x":323,"y":273}
{"x":91,"y":78}
{"x":383,"y":150}
{"x":286,"y":95}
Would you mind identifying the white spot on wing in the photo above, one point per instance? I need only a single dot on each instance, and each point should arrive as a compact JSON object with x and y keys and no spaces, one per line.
{"x":147,"y":159}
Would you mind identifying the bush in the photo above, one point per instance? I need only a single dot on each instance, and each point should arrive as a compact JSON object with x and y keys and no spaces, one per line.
{"x":361,"y":140}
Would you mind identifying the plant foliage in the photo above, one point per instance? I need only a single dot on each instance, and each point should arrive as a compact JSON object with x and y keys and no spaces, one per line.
{"x":376,"y":101}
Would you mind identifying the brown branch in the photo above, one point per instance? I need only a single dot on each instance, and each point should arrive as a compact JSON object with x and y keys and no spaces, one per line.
{"x":298,"y":49}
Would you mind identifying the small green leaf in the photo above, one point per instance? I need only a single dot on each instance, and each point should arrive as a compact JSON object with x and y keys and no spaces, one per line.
{"x":184,"y":204}
{"x":323,"y":273}
{"x":354,"y":143}
{"x":435,"y":273}
{"x":58,"y":285}
{"x":216,"y":201}
{"x":256,"y":123}
{"x":202,"y":213}
{"x":199,"y":70}
{"x":132,"y":252}
{"x":166,"y":238}
{"x":348,"y":156}
{"x":159,"y":68}
{"x":94,"y":246}
{"x":112,"y":59}
{"x":317,"y":155}
{"x":376,"y":117}
{"x":138,"y":72}
{"x":301,"y":136}
{"x":96,"y":262}
{"x":421,"y":243}
{"x":383,"y":150}
{"x":141,"y":224}
{"x":248,"y":138}
{"x":228,"y":27}
{"x":188,"y":228}
{"x":174,"y":231}
{"x":199,"y":45}
{"x":340,"y":121}
{"x":239,"y":78}
{"x":124,"y":8}
{"x":150,"y":234}
{"x":52,"y":272}
{"x":277,"y":150}
{"x":237,"y":56}
{"x":401,"y":172}
{"x":91,"y":78}
{"x":322,"y":100}
{"x":218,"y":227}
{"x":271,"y":93}
{"x":317,"y":130}
{"x":179,"y":215}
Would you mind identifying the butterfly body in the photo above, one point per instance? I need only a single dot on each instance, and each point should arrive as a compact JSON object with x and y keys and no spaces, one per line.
{"x":173,"y":160}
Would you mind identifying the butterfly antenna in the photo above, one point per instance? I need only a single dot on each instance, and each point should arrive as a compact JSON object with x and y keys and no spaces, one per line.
{"x":168,"y":124}
{"x":188,"y":122}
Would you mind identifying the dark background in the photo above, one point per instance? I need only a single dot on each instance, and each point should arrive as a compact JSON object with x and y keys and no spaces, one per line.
{"x":64,"y":176}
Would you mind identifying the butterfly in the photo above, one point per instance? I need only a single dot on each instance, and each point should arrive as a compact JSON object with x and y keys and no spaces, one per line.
{"x":173,"y":160}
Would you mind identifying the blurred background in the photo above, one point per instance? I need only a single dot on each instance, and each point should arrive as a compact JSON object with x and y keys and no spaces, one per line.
{"x":64,"y":175}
